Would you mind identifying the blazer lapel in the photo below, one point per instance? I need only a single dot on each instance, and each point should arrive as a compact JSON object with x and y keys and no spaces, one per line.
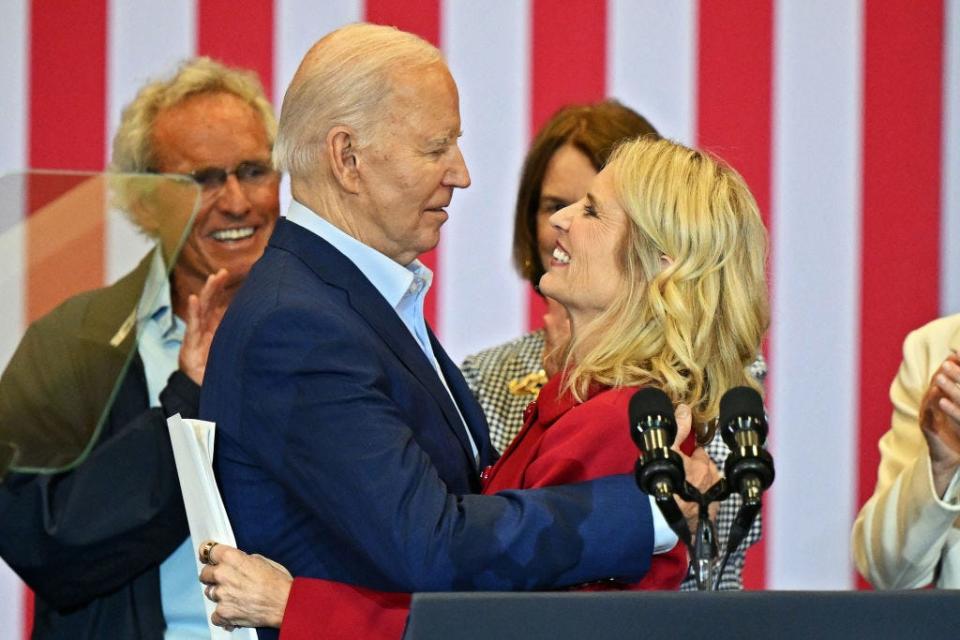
{"x":469,"y":407}
{"x":336,"y":269}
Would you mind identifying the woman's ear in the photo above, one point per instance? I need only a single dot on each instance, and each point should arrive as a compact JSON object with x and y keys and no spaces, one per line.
{"x":341,"y":151}
{"x":665,"y":261}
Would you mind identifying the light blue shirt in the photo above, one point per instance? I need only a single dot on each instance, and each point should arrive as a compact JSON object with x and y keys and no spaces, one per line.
{"x":160,"y":336}
{"x":404,"y":288}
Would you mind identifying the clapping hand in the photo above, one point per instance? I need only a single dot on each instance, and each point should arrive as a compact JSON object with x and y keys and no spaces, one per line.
{"x":940,"y":422}
{"x":204,"y":313}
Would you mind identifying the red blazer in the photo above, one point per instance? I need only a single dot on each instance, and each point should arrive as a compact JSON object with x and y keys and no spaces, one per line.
{"x":562,"y":442}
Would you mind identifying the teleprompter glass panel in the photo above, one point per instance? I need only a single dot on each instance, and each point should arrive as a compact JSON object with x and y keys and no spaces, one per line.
{"x":64,"y":353}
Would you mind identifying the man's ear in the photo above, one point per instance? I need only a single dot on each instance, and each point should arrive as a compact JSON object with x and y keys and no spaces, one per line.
{"x":342,"y":156}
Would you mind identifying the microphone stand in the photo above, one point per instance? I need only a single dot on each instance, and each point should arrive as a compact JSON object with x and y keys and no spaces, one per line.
{"x":703,"y":548}
{"x":659,"y":472}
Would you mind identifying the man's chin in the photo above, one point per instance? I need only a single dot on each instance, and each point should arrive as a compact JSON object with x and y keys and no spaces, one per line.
{"x":428,"y":247}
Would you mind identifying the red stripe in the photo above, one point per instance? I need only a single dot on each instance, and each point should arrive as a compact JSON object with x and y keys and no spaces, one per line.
{"x":568,"y":65}
{"x":64,"y":239}
{"x":903,"y":71}
{"x":238,"y":35}
{"x":422,"y":18}
{"x":27,"y":614}
{"x":734,"y":98}
{"x":67,"y":130}
{"x":67,"y":80}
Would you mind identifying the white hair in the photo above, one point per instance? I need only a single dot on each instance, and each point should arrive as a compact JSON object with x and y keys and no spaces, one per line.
{"x":133,"y":150}
{"x":345,"y":79}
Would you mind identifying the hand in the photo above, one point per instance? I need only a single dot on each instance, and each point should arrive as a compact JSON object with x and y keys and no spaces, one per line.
{"x":698,"y":469}
{"x":556,"y":326}
{"x":250,"y":590}
{"x":940,"y":422}
{"x":204,"y":313}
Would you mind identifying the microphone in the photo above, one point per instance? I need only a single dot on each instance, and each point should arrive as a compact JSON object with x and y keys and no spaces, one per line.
{"x":659,"y":470}
{"x":749,"y":467}
{"x":743,"y":427}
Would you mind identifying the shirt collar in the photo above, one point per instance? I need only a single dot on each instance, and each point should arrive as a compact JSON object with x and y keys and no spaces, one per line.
{"x":155,"y":304}
{"x":391,"y":279}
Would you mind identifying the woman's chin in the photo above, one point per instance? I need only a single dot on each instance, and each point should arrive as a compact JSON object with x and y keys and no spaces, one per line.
{"x":549,"y":288}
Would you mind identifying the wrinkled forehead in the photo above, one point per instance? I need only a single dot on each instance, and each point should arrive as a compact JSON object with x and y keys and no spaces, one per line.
{"x":431,"y":86}
{"x":209,"y":129}
{"x":425,"y":99}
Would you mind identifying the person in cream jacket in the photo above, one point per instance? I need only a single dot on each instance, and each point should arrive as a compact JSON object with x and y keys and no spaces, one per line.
{"x":907,"y":534}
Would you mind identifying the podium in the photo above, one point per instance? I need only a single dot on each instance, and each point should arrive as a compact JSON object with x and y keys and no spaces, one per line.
{"x":783,"y":615}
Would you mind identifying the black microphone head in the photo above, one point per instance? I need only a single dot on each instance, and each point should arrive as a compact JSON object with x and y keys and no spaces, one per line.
{"x":742,"y":402}
{"x":650,"y":403}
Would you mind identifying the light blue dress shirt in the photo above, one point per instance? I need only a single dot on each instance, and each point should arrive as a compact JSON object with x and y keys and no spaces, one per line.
{"x":404,"y":288}
{"x":160,"y":336}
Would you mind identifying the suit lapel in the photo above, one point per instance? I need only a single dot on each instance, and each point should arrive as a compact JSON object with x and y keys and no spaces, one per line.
{"x":469,"y":407}
{"x":333,"y":267}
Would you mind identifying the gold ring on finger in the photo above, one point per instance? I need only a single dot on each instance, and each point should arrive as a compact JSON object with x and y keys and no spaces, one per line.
{"x":205,"y":551}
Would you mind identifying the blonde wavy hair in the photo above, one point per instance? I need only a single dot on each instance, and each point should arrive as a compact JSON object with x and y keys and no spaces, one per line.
{"x":133,"y":143}
{"x":692,"y":323}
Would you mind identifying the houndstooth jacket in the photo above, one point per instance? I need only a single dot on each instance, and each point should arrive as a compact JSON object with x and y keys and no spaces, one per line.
{"x":506,"y":378}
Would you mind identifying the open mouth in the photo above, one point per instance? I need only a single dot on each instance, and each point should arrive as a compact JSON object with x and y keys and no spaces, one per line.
{"x":233,"y":235}
{"x":561,"y":256}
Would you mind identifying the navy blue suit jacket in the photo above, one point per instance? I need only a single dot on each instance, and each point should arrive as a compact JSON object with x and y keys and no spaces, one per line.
{"x":340,"y":454}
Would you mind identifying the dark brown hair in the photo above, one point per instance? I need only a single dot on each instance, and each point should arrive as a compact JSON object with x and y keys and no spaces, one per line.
{"x":594,"y":129}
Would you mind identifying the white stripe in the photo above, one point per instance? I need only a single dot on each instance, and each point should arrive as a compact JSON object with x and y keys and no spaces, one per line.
{"x":950,"y":192}
{"x":124,"y":246}
{"x":146,"y":40}
{"x":14,"y":54}
{"x":816,"y":282}
{"x":652,"y":62}
{"x":13,"y":276}
{"x":12,"y":279}
{"x":297,"y":25}
{"x":11,"y":604}
{"x":482,"y":300}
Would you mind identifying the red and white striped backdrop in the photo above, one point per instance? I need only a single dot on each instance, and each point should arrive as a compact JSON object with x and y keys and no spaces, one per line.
{"x":843,"y":115}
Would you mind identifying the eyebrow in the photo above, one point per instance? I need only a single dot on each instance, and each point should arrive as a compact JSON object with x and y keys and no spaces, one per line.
{"x":447,"y":138}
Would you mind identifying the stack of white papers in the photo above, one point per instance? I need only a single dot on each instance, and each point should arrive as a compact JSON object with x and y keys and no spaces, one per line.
{"x":192,"y":442}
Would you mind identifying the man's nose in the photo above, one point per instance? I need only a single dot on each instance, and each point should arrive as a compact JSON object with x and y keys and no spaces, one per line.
{"x":458,"y":175}
{"x":232,"y":198}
